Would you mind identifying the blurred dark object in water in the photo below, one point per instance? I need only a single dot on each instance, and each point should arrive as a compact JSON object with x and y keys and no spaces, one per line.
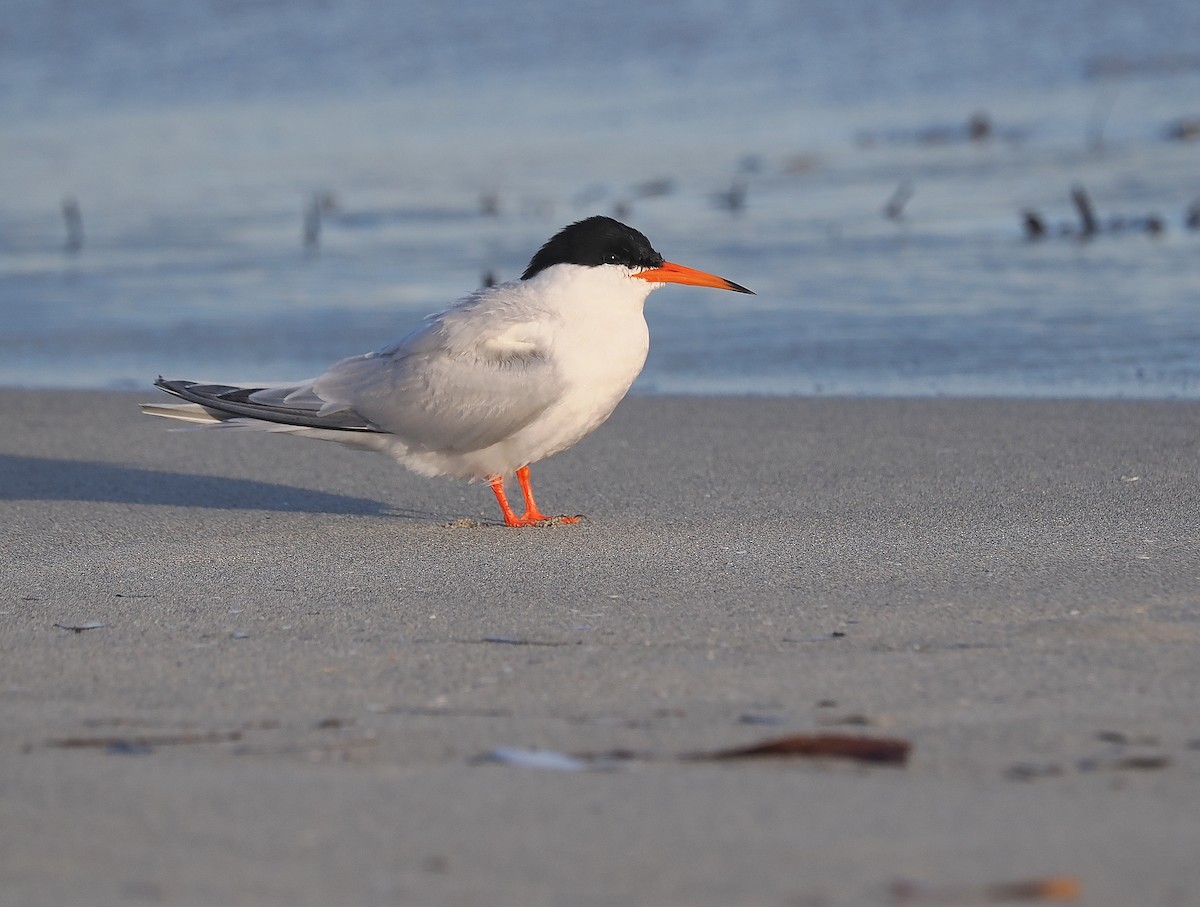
{"x":1160,"y":65}
{"x":977,"y":129}
{"x":801,"y":163}
{"x":732,"y":199}
{"x":73,"y":217}
{"x":1035,"y":227}
{"x":750,"y":163}
{"x":1186,"y":129}
{"x":1087,"y":214}
{"x":319,"y":205}
{"x":1192,"y":218}
{"x":312,"y":226}
{"x":894,"y":209}
{"x":654,"y":188}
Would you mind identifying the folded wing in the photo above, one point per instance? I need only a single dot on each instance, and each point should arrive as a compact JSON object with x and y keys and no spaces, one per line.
{"x":458,"y":383}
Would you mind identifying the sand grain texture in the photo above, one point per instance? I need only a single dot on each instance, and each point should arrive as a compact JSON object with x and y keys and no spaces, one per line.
{"x":306,"y":649}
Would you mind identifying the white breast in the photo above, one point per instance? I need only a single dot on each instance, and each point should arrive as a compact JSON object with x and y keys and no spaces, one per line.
{"x":592,"y":334}
{"x":598,"y":342}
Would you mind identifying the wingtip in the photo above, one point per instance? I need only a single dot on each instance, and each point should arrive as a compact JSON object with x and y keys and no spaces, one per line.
{"x":171,"y":386}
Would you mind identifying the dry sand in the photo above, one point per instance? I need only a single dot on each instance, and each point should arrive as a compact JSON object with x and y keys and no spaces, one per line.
{"x":296,"y":677}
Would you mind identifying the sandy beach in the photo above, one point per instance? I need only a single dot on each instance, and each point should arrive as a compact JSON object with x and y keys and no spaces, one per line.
{"x":305,"y":651}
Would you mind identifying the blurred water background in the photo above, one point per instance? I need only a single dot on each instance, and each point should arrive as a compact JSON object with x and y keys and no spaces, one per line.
{"x":253,"y":189}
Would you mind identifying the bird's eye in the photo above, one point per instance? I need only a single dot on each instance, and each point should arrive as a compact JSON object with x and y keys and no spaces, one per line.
{"x":611,"y":258}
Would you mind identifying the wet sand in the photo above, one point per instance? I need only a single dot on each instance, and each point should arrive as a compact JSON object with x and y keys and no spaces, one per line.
{"x":306,"y":650}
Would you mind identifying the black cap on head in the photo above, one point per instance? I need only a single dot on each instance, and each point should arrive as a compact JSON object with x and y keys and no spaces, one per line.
{"x":598,"y":240}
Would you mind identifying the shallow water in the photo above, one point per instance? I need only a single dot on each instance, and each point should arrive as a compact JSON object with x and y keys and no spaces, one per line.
{"x":194,"y":136}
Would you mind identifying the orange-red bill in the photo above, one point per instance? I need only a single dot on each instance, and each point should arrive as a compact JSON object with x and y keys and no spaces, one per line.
{"x":670,"y":272}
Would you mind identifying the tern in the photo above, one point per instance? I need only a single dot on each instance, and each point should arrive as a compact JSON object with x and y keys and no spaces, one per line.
{"x":505,"y":377}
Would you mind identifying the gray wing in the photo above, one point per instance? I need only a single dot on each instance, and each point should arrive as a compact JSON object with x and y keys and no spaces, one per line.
{"x":468,"y":378}
{"x":280,"y":404}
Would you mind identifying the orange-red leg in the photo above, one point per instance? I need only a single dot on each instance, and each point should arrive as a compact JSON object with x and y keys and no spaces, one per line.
{"x":532,"y":516}
{"x":531,"y":508}
{"x":510,"y":518}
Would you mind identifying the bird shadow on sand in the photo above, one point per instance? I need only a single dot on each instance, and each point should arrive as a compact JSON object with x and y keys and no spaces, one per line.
{"x":45,"y":479}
